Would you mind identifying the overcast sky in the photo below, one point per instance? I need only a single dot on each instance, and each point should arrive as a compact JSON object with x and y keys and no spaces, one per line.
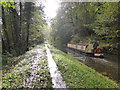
{"x":51,"y":7}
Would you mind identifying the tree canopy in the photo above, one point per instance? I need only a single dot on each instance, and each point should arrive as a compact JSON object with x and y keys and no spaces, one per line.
{"x":22,"y":24}
{"x":86,"y":21}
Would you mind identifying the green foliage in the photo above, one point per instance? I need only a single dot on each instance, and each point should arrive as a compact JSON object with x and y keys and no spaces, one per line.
{"x":37,"y":27}
{"x":73,"y":22}
{"x":8,"y":60}
{"x":8,"y":4}
{"x":107,"y":21}
{"x":87,"y":20}
{"x":21,"y":27}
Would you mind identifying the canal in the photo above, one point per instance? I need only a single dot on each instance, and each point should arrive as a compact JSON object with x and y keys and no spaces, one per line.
{"x":108,"y":66}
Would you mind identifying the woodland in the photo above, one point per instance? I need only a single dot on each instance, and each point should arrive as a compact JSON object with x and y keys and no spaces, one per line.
{"x":24,"y":26}
{"x":85,"y":22}
{"x":25,"y":30}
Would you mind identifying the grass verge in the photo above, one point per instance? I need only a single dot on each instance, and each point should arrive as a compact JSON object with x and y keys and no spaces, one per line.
{"x":78,"y":75}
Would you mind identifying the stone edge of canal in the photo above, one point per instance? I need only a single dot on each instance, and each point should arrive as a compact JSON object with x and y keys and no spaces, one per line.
{"x":57,"y":79}
{"x":62,"y":59}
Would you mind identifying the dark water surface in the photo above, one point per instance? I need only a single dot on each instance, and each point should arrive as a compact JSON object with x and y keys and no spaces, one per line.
{"x":108,"y":65}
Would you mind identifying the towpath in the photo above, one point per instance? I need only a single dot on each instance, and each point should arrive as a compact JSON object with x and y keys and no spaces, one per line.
{"x":36,"y":69}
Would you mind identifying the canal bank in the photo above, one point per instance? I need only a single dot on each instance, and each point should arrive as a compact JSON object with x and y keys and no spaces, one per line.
{"x":108,"y":66}
{"x":57,"y":80}
{"x":78,"y":75}
{"x":32,"y":71}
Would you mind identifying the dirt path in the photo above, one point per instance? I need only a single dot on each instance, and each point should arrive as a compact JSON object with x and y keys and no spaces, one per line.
{"x":57,"y":79}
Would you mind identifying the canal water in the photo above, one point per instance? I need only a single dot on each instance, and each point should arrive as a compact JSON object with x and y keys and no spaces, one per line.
{"x":107,"y":66}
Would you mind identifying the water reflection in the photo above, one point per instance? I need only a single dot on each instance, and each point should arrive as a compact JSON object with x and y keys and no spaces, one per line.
{"x":107,"y":66}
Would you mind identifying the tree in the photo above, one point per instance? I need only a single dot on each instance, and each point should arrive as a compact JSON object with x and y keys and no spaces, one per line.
{"x":86,"y":21}
{"x":73,"y":21}
{"x":107,"y":21}
{"x":19,"y":19}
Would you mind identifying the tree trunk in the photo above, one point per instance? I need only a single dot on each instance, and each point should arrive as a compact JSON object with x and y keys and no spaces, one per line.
{"x":20,"y":36}
{"x":6,"y":43}
{"x":27,"y":40}
{"x":16,"y":30}
{"x":28,"y":15}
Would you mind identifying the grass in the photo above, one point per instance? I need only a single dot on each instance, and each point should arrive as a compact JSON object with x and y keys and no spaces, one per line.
{"x":78,"y":75}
